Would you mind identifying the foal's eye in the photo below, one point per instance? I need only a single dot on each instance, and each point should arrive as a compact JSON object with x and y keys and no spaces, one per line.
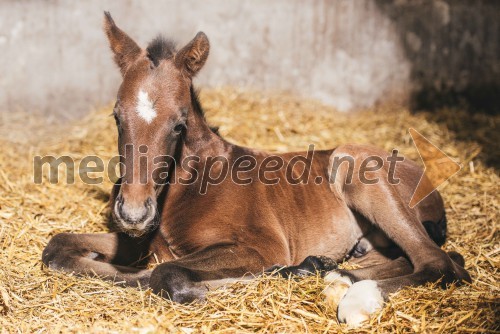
{"x":117,"y":120}
{"x":178,"y":128}
{"x":115,"y":114}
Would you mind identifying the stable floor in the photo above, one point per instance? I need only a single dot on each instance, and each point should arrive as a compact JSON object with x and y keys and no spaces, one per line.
{"x":35,"y":300}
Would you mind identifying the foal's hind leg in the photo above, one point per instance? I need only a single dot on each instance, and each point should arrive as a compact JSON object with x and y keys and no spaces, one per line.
{"x":108,"y":256}
{"x":392,"y":268}
{"x":386,"y":206}
{"x":339,"y":281}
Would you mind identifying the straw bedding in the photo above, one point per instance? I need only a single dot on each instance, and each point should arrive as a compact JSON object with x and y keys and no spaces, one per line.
{"x":33,"y":299}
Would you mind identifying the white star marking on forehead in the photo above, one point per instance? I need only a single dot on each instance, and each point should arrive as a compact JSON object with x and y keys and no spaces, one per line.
{"x":145,"y":108}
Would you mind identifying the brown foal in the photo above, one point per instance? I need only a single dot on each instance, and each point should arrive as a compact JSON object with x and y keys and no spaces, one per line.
{"x":173,"y":201}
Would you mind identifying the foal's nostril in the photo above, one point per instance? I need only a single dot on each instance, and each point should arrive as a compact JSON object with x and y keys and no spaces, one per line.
{"x":119,"y":201}
{"x":119,"y":204}
{"x":133,"y":214}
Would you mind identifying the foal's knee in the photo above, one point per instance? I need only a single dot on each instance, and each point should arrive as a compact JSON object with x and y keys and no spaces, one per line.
{"x":176,"y":283}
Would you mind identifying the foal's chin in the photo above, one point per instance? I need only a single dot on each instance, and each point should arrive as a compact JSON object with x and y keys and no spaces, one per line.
{"x":136,"y":230}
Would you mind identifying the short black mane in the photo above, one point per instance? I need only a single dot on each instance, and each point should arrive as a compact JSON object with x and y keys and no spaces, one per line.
{"x":199,"y":110}
{"x":161,"y":48}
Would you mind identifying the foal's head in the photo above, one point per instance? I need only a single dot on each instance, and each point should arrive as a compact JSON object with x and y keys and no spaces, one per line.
{"x":151,"y":111}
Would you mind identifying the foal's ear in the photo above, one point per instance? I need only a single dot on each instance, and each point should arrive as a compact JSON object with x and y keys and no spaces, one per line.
{"x":126,"y":51}
{"x":191,"y":58}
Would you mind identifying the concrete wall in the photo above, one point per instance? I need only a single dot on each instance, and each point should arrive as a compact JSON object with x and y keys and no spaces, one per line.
{"x":454,"y":50}
{"x":351,"y":54}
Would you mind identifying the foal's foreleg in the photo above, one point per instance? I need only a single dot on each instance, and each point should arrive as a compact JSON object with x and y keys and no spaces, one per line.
{"x":109,"y":256}
{"x":190,"y":277}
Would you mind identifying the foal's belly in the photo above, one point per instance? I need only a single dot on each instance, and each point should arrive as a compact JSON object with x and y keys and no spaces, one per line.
{"x":284,"y":223}
{"x":332,"y":233}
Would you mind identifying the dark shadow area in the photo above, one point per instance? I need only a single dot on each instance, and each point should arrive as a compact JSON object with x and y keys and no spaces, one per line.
{"x":454,"y":49}
{"x":100,"y":194}
{"x":133,"y":253}
{"x":480,"y":128}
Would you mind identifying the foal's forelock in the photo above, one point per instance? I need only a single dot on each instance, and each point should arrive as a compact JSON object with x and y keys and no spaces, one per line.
{"x":159,"y":49}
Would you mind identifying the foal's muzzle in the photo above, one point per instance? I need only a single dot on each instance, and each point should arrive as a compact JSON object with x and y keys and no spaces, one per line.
{"x":135,"y":219}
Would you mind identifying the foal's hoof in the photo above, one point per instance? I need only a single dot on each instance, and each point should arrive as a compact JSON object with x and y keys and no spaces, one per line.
{"x":336,"y":289}
{"x":324,"y":263}
{"x":362,"y":299}
{"x":54,"y":256}
{"x":310,"y":266}
{"x":354,"y":302}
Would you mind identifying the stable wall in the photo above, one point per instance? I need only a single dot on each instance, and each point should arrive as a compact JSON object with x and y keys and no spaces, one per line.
{"x":351,"y":54}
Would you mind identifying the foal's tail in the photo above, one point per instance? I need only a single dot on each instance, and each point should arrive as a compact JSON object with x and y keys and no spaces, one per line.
{"x":436,"y":230}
